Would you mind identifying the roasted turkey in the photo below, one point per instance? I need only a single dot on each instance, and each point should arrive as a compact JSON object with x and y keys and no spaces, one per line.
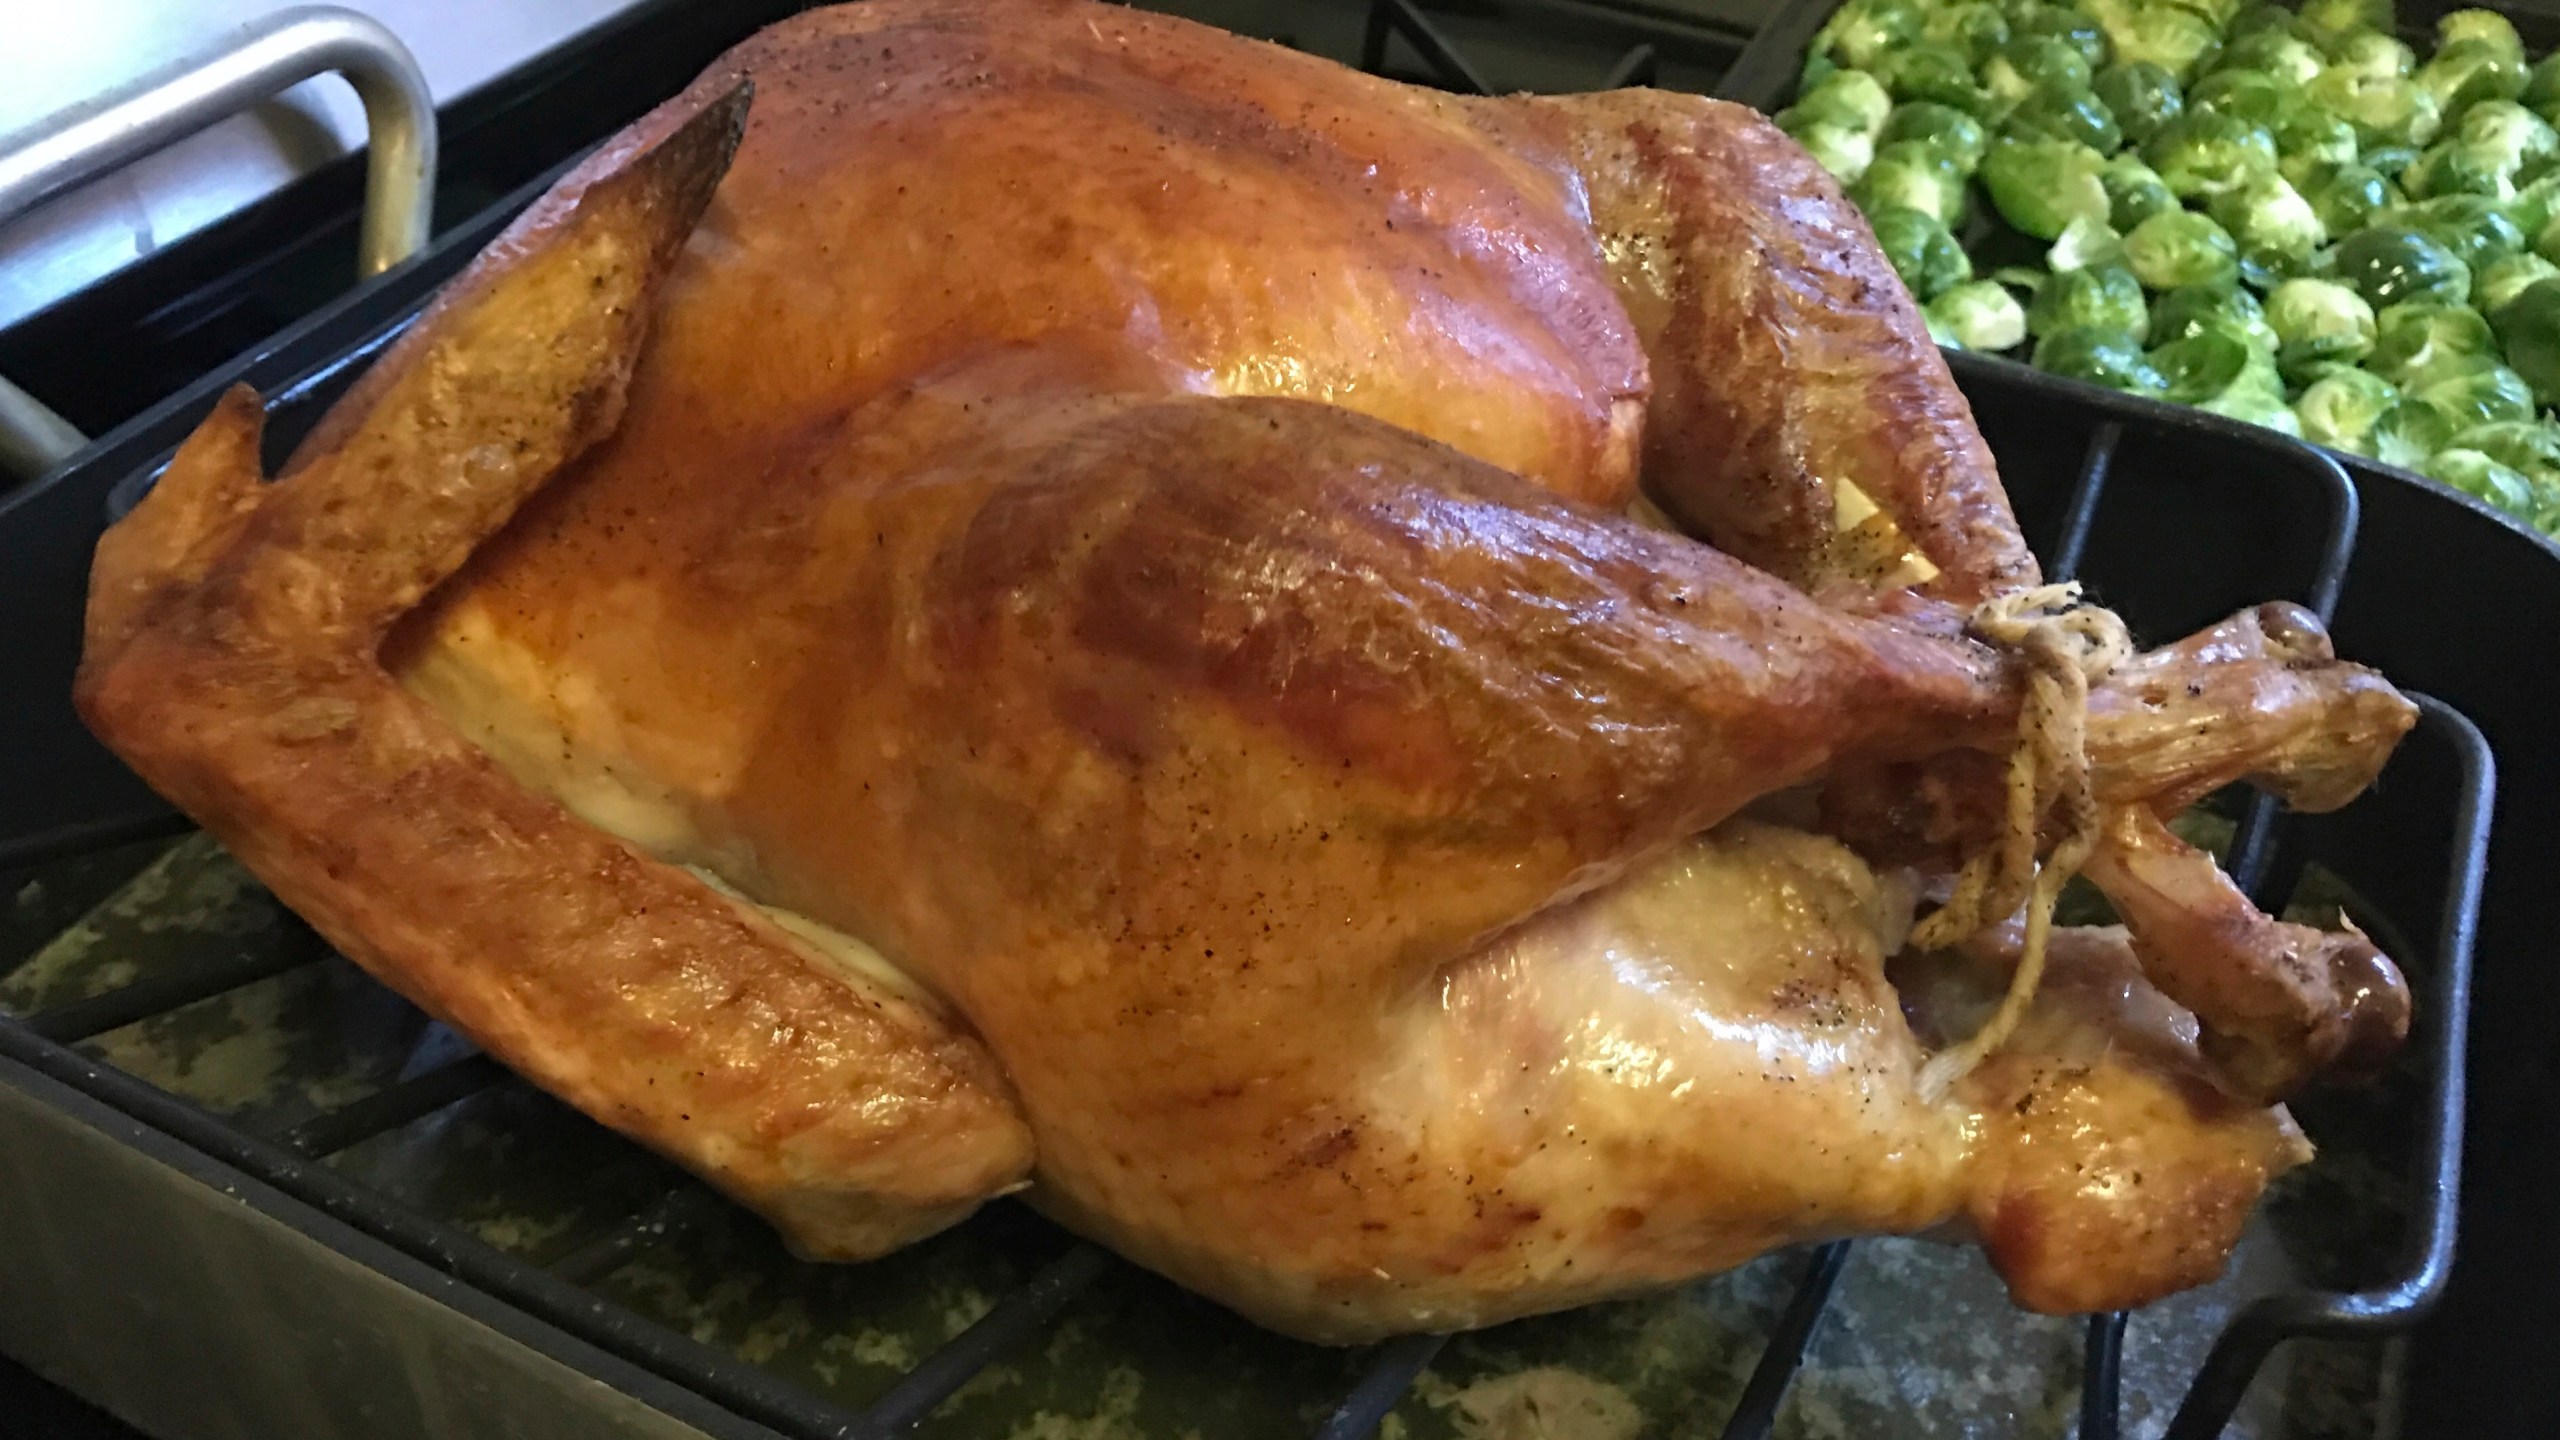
{"x":1357,"y":689}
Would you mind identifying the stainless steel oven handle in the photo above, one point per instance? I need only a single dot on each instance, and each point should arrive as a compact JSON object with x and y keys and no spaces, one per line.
{"x":167,"y":105}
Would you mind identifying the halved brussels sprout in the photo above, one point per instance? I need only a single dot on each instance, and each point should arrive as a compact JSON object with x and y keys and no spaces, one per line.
{"x":2327,"y":23}
{"x":2320,"y":325}
{"x":2181,"y":247}
{"x":2524,"y":142}
{"x":2201,"y":367}
{"x":2040,"y":184}
{"x":2507,"y":278}
{"x":2252,"y":95}
{"x":2281,"y":54}
{"x":2175,"y":39}
{"x":2076,"y":28}
{"x":2375,"y":53}
{"x":1848,"y":99}
{"x":2386,"y":110}
{"x":2475,"y":229}
{"x":1943,"y":128}
{"x":2410,"y":431}
{"x":1845,"y":153}
{"x":2481,"y":395}
{"x":2468,"y":71}
{"x":2532,"y":446}
{"x":2528,"y":326}
{"x":1938,"y":73}
{"x":2253,"y":19}
{"x":2202,"y":152}
{"x":2270,"y":221}
{"x":2142,"y":96}
{"x":2391,"y":264}
{"x":2542,"y":88}
{"x":1862,"y":32}
{"x":2135,"y":192}
{"x":2533,"y":206}
{"x":1920,"y":250}
{"x":2423,"y":341}
{"x":1978,"y":315}
{"x":2339,"y":409}
{"x":2486,"y":26}
{"x":2309,"y":140}
{"x":2069,"y":113}
{"x":2475,"y":474}
{"x":2085,"y":244}
{"x":2345,"y":197}
{"x":1912,"y":176}
{"x":2202,"y":309}
{"x":1974,"y":30}
{"x":2028,"y":61}
{"x":2457,"y":167}
{"x":2104,"y":357}
{"x":2099,"y":298}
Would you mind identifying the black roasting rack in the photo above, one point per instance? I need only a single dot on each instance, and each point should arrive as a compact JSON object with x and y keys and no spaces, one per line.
{"x":2172,"y":517}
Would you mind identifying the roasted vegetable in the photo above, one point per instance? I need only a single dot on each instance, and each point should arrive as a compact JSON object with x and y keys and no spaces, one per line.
{"x":1978,"y":315}
{"x":2142,"y":96}
{"x":2345,"y":197}
{"x":2390,"y":264}
{"x":2421,"y":342}
{"x":2181,"y":247}
{"x":2475,"y":474}
{"x":2200,"y":309}
{"x":2135,"y":191}
{"x":1920,"y":250}
{"x":2340,"y":409}
{"x":2320,"y":326}
{"x":1943,"y":128}
{"x":2204,"y":152}
{"x":2098,"y":298}
{"x":2528,"y":329}
{"x":2040,"y":184}
{"x":1912,"y":176}
{"x":2104,"y":357}
{"x":1862,"y":32}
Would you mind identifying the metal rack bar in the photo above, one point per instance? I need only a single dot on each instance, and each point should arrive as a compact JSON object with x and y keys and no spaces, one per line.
{"x":1400,"y":1362}
{"x":2102,"y":1376}
{"x":2080,"y":513}
{"x":1757,"y":1411}
{"x":1639,"y":66}
{"x":1400,"y":17}
{"x":172,"y":989}
{"x":600,"y":1255}
{"x":1032,"y":1305}
{"x":393,"y":1106}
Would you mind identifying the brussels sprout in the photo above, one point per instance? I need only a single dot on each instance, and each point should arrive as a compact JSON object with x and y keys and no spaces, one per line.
{"x":2389,"y":264}
{"x":2468,"y":71}
{"x":2507,"y":278}
{"x":1849,"y":99}
{"x":2542,"y":88}
{"x":1920,"y":250}
{"x":1935,"y":72}
{"x":2345,"y":197}
{"x":2201,"y":367}
{"x":2217,"y":13}
{"x":2528,"y":326}
{"x":2103,"y":357}
{"x":2385,"y":110}
{"x":2280,"y":54}
{"x":1845,"y":153}
{"x":2338,"y":409}
{"x":2200,"y":153}
{"x":2085,"y":244}
{"x":2069,"y":114}
{"x":2040,"y":184}
{"x":2533,"y":206}
{"x":2532,"y":446}
{"x":2374,"y":53}
{"x":2319,"y":324}
{"x":2100,"y":298}
{"x":1974,"y":31}
{"x":2255,"y":404}
{"x":2523,"y":143}
{"x":2476,"y":230}
{"x":2078,"y":29}
{"x":2142,"y":96}
{"x":2327,"y":23}
{"x":2032,"y":60}
{"x":2391,"y":161}
{"x":2480,"y":477}
{"x":2457,"y":167}
{"x":2270,"y":221}
{"x":1978,"y":315}
{"x":2161,"y":34}
{"x":2481,"y":395}
{"x":2251,"y":95}
{"x":2255,"y":19}
{"x":1862,"y":32}
{"x":1912,"y":176}
{"x":1943,"y":128}
{"x":2309,"y":139}
{"x":2211,"y":309}
{"x":2486,"y":26}
{"x":2408,"y":432}
{"x":2181,"y":247}
{"x":2424,"y":341}
{"x":2135,"y":192}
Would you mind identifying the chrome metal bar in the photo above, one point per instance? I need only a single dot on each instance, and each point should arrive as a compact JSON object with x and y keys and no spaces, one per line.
{"x":167,"y":105}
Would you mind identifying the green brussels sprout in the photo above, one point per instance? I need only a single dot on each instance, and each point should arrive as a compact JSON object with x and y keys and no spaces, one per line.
{"x":2457,"y":167}
{"x":2255,"y":19}
{"x":2481,"y":395}
{"x":2319,"y":325}
{"x":2200,"y":153}
{"x":1943,"y":128}
{"x":2102,"y":357}
{"x":1978,"y":315}
{"x":2505,"y":279}
{"x":1921,"y":251}
{"x":2286,"y":57}
{"x":2391,"y":161}
{"x":2270,"y":222}
{"x":2251,"y":95}
{"x":1862,"y":32}
{"x":2099,"y":298}
{"x":2408,"y":432}
{"x":2424,"y":341}
{"x":2469,"y":71}
{"x":2257,"y":405}
{"x":2338,"y":409}
{"x":2211,"y":309}
{"x":2032,"y":60}
{"x":2386,"y":110}
{"x":2217,"y":13}
{"x":2389,"y":264}
{"x":1934,"y":72}
{"x":2524,"y":142}
{"x":2547,"y":244}
{"x":2174,"y":39}
{"x":2067,"y":113}
{"x":2475,"y":229}
{"x":2181,"y":247}
{"x":2532,"y":446}
{"x":2142,"y":96}
{"x":2308,"y":139}
{"x":1913,"y":176}
{"x":2375,"y":53}
{"x":2075,"y":28}
{"x":2345,"y":197}
{"x":1845,"y":153}
{"x":2327,"y":23}
{"x":2486,"y":26}
{"x":2528,"y":327}
{"x":2534,"y":205}
{"x":2083,"y":244}
{"x":1975,"y":30}
{"x":2542,"y":88}
{"x":2040,"y":184}
{"x":2135,"y":192}
{"x":2478,"y":476}
{"x":2200,"y":367}
{"x":1849,"y":99}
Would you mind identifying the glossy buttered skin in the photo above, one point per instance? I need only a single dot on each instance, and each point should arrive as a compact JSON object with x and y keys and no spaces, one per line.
{"x":1126,"y":529}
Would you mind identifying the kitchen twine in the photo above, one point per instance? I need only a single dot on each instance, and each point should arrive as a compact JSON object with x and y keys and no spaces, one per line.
{"x":2066,"y":644}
